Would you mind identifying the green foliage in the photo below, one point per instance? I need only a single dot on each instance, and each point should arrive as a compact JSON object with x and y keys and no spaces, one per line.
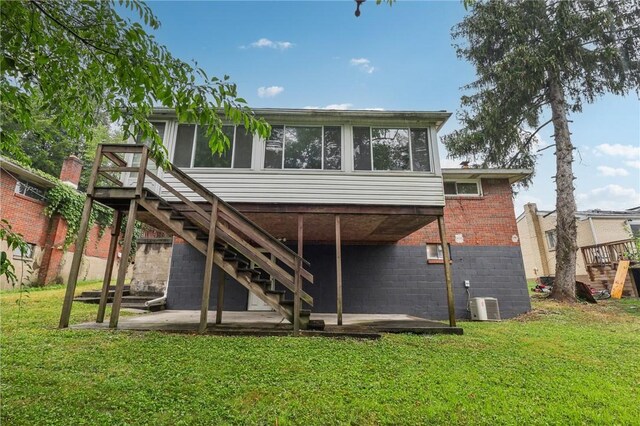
{"x":83,"y":60}
{"x":68,"y":203}
{"x":14,"y":241}
{"x":546,"y":368}
{"x":518,"y":48}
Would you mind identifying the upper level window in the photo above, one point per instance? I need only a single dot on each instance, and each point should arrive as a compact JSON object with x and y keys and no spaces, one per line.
{"x":465,"y":188}
{"x":192,"y":148}
{"x":304,"y":147}
{"x":29,"y":190}
{"x":378,"y":148}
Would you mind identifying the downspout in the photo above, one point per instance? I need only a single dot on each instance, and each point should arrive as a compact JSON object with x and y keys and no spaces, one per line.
{"x":162,"y":300}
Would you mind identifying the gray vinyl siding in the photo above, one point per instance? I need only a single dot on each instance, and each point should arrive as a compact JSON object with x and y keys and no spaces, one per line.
{"x":321,"y":187}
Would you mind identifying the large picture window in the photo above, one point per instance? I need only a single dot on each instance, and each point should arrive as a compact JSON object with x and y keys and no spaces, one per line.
{"x":385,"y":148}
{"x":304,"y":147}
{"x":192,"y":148}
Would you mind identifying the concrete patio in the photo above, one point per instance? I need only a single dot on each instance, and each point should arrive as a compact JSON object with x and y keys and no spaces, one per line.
{"x":257,"y":323}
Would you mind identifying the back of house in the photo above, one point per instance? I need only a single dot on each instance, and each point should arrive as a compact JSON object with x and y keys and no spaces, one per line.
{"x":358,"y":195}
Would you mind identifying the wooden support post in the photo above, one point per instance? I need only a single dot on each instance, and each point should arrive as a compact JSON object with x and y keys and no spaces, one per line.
{"x":208,"y":268}
{"x":82,"y":236}
{"x":124,"y":264}
{"x":338,"y":270}
{"x":447,"y":271}
{"x":298,"y":278}
{"x":75,"y":263}
{"x":142,"y":174}
{"x":220,"y":306}
{"x":111,"y":257}
{"x":296,"y":297}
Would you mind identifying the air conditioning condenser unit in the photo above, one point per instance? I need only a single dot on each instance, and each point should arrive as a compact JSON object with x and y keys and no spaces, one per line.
{"x":484,"y":309}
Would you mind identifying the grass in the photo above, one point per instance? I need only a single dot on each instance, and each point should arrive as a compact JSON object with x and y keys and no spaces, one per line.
{"x":556,"y":365}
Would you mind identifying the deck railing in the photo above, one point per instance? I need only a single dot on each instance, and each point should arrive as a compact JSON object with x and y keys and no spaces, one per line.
{"x":608,"y":253}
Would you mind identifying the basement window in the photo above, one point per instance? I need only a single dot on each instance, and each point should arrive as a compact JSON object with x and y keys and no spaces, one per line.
{"x":29,"y":190}
{"x":465,"y":188}
{"x":192,"y":148}
{"x":27,"y":255}
{"x":551,"y":239}
{"x":434,"y":252}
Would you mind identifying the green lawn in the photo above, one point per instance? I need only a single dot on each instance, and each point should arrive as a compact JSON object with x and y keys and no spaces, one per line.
{"x":557,"y":365}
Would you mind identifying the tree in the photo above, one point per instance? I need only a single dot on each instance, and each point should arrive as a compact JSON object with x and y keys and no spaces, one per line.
{"x":73,"y":61}
{"x":81,"y":58}
{"x":536,"y":56}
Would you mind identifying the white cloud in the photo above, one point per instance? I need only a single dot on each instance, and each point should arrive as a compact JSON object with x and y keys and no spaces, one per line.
{"x":612,"y":171}
{"x":363,"y":64}
{"x":609,"y":197}
{"x":270,"y":44}
{"x":270,"y":92}
{"x":340,"y":107}
{"x":373,"y":109}
{"x":633,"y":163}
{"x":618,"y":150}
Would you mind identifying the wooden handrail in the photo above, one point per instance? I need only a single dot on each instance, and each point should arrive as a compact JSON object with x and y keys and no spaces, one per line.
{"x":230,"y":218}
{"x":606,"y":253}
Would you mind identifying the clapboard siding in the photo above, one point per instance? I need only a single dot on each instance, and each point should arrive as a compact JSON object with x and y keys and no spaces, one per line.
{"x":325,"y":187}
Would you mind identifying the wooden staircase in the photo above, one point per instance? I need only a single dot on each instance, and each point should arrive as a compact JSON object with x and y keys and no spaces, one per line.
{"x":227,"y":238}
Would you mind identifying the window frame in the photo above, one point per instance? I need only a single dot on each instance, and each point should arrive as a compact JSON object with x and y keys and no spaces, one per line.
{"x":27,"y":256}
{"x":393,"y":126}
{"x":322,"y":149}
{"x":478,"y":183}
{"x":195,"y":140}
{"x":42,"y":192}
{"x":555,"y":239}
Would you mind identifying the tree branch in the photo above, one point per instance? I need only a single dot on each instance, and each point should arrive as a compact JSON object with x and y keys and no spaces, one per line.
{"x":66,"y":28}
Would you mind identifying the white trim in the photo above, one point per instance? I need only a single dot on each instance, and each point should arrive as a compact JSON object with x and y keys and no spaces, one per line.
{"x":478,"y":183}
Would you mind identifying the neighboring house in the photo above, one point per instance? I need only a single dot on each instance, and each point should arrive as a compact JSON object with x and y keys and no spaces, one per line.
{"x":374,"y":178}
{"x":22,"y":204}
{"x":537,"y":230}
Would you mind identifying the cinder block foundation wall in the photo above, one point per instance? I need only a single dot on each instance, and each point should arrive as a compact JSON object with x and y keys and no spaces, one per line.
{"x":385,"y":279}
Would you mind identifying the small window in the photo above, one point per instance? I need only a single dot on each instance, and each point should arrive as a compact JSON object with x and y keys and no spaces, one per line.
{"x":29,"y":190}
{"x":192,"y":148}
{"x":434,"y":252}
{"x":17,"y":254}
{"x":465,"y":188}
{"x":551,"y":239}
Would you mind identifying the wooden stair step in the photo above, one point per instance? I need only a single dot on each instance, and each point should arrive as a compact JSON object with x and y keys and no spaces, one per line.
{"x":165,"y":207}
{"x":248,"y":270}
{"x":261,"y":280}
{"x":281,"y":292}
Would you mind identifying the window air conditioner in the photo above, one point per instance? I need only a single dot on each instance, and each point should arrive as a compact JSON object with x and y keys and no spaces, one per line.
{"x":484,"y":309}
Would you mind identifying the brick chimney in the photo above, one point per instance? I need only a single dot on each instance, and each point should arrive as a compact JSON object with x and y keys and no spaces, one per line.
{"x":71,"y":169}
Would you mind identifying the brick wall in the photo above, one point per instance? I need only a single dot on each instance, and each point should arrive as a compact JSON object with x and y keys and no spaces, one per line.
{"x":483,"y":221}
{"x":27,"y":217}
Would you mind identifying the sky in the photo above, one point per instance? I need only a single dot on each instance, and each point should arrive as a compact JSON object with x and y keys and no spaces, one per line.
{"x":297,"y":54}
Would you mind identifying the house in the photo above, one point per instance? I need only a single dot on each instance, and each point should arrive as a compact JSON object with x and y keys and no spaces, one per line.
{"x":23,"y":204}
{"x":352,"y":204}
{"x":596,"y":229}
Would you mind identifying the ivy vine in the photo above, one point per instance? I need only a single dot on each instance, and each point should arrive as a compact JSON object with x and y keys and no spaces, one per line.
{"x":64,"y":200}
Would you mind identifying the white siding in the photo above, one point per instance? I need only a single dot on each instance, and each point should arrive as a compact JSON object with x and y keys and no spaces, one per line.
{"x":320,"y":187}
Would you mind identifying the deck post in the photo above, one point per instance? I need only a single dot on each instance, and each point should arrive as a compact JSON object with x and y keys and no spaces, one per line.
{"x":75,"y":263}
{"x":82,"y":236}
{"x":298,"y":279}
{"x":338,"y":271}
{"x":447,"y":271}
{"x":208,"y":268}
{"x":111,"y":257}
{"x":124,"y":264}
{"x":220,"y":305}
